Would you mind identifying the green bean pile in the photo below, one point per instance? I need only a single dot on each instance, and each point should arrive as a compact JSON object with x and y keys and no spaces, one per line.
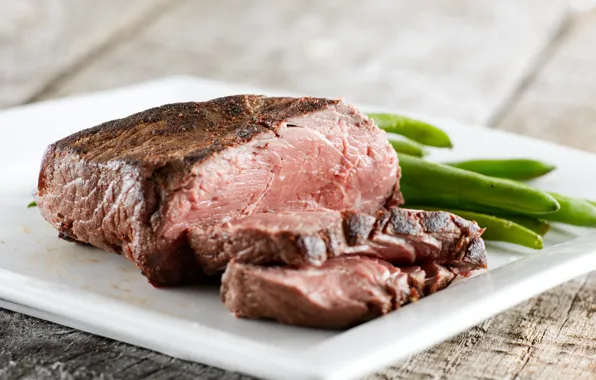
{"x":488,"y":191}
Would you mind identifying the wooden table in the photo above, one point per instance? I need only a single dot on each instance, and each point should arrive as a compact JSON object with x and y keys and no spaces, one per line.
{"x":527,"y":66}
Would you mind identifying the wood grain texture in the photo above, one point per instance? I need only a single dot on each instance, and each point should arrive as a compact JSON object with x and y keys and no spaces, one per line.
{"x":35,"y":349}
{"x":552,"y":336}
{"x":428,"y":67}
{"x":560,"y":103}
{"x":41,"y":40}
{"x":459,"y":58}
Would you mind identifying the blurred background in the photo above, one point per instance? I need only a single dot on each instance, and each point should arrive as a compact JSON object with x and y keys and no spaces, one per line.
{"x":527,"y":66}
{"x":485,"y":62}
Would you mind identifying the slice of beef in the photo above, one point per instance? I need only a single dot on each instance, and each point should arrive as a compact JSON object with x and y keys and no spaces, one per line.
{"x":400,"y":236}
{"x":434,"y":236}
{"x":135,"y":185}
{"x":294,"y":238}
{"x":438,"y":277}
{"x":341,"y":293}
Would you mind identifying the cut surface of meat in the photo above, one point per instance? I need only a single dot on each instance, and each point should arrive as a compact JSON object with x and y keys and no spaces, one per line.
{"x":135,"y":185}
{"x":400,"y":236}
{"x":341,"y":293}
{"x":294,"y":238}
{"x":434,"y":236}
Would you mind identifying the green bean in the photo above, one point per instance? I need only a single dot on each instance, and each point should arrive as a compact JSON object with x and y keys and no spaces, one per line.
{"x":574,"y":211}
{"x":462,"y":186}
{"x":541,"y":227}
{"x":32,"y":204}
{"x":497,"y":229}
{"x":516,"y":169}
{"x":416,"y":130}
{"x":415,"y":195}
{"x":408,"y":147}
{"x":421,"y":196}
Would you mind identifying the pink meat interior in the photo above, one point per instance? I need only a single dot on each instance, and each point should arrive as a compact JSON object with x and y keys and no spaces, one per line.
{"x":333,"y":159}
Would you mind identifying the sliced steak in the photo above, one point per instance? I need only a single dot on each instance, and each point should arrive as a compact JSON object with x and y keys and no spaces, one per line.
{"x":434,"y":236}
{"x":135,"y":185}
{"x":294,"y":238}
{"x":400,"y":236}
{"x":438,"y":277}
{"x":341,"y":293}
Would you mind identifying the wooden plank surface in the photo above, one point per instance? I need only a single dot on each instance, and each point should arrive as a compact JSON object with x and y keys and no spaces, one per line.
{"x":34,"y":349}
{"x":553,"y":336}
{"x":43,"y":40}
{"x":429,"y":68}
{"x":560,"y":103}
{"x":459,"y":58}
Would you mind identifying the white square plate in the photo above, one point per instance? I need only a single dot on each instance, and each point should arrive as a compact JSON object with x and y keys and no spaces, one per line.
{"x":104,"y":294}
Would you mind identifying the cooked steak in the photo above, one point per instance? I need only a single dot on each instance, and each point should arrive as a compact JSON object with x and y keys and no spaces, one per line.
{"x":400,"y":236}
{"x":340,"y":293}
{"x":136,"y":185}
{"x":434,"y":236}
{"x":294,"y":238}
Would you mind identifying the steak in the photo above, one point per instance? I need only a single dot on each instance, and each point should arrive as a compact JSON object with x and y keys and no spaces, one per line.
{"x":342,"y":292}
{"x":399,"y":236}
{"x":135,"y":185}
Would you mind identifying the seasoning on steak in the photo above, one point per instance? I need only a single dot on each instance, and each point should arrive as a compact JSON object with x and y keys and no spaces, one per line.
{"x":400,"y":236}
{"x":434,"y":236}
{"x":136,"y":185}
{"x":341,"y":293}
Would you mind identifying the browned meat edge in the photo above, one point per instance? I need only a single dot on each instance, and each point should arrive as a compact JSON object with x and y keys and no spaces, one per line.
{"x":400,"y":236}
{"x":342,"y":293}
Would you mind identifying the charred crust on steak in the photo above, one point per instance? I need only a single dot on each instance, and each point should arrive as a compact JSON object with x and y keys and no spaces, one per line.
{"x":474,"y":256}
{"x":135,"y":185}
{"x":313,"y":247}
{"x":333,"y":242}
{"x":400,"y":225}
{"x":362,"y":288}
{"x":382,"y":218}
{"x":312,"y":238}
{"x":436,"y":221}
{"x":357,"y":227}
{"x":204,"y":129}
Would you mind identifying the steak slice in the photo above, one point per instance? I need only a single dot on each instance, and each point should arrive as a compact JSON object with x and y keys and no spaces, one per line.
{"x":135,"y":185}
{"x":341,"y":293}
{"x":400,"y":236}
{"x":434,"y":236}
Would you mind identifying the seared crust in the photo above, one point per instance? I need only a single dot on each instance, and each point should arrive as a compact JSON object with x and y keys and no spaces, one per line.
{"x":400,"y":236}
{"x":186,"y":133}
{"x":460,"y":242}
{"x":342,"y":293}
{"x":107,"y":185}
{"x":163,"y":143}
